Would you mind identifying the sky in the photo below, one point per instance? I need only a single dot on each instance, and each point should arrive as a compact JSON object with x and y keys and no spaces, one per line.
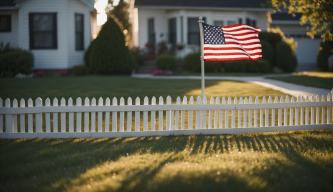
{"x":100,"y":6}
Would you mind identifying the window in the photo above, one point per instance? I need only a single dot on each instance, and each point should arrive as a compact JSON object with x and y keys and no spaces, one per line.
{"x":151,"y":31}
{"x":240,"y":21}
{"x":193,"y":32}
{"x":218,"y":23}
{"x":43,"y":30}
{"x":79,"y":31}
{"x":173,"y":31}
{"x":251,"y":22}
{"x":5,"y":23}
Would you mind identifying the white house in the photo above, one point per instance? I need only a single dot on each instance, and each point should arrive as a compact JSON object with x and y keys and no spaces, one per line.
{"x":307,"y":48}
{"x":175,"y":21}
{"x":56,"y":31}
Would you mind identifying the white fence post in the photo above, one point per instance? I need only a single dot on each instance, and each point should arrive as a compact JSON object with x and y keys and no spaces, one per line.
{"x":182,"y":114}
{"x":152,"y":115}
{"x":129,"y":116}
{"x":137,"y":115}
{"x":22,"y":116}
{"x":255,"y":113}
{"x":276,"y":100}
{"x":285,"y":112}
{"x":122,"y":116}
{"x":176,"y":119}
{"x":86,"y":116}
{"x":100,"y":116}
{"x":9,"y":126}
{"x":217,"y":114}
{"x":30,"y":117}
{"x":107,"y":115}
{"x":47,"y":116}
{"x":169,"y":119}
{"x":203,"y":114}
{"x":322,"y":110}
{"x":245,"y":123}
{"x":198,"y":123}
{"x":160,"y":114}
{"x":312,"y":111}
{"x":63,"y":115}
{"x":328,"y":110}
{"x":190,"y":114}
{"x":250,"y":113}
{"x":317,"y":110}
{"x":300,"y":102}
{"x":239,"y":113}
{"x":15,"y":117}
{"x":93,"y":116}
{"x":233,"y":114}
{"x":307,"y":112}
{"x":145,"y":114}
{"x":291,"y":112}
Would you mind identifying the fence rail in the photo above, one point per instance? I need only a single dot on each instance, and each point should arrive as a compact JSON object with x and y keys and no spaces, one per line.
{"x":161,"y":116}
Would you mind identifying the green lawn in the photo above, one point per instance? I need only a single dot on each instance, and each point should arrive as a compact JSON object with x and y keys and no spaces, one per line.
{"x":312,"y":79}
{"x":106,"y":86}
{"x":298,"y":161}
{"x":295,"y":161}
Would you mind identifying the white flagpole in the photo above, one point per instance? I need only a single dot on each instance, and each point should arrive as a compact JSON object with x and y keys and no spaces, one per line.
{"x":200,"y":21}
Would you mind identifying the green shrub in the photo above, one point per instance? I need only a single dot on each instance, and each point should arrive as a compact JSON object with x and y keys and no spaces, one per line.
{"x":192,"y":63}
{"x":166,"y":62}
{"x":108,"y":54}
{"x":285,"y":57}
{"x":267,"y":52}
{"x":137,"y":57}
{"x":15,"y":61}
{"x":79,"y":70}
{"x":326,"y":49}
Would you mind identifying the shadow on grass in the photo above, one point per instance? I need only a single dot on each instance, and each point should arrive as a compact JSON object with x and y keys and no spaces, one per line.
{"x":60,"y":164}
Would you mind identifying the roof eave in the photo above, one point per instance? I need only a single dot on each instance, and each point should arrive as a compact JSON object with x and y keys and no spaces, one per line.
{"x":9,"y":8}
{"x":205,"y":8}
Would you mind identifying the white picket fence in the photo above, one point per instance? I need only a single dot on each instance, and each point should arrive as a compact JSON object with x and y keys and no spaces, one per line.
{"x":186,"y":116}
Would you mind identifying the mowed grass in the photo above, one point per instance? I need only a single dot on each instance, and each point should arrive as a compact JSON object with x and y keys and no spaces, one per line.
{"x":313,"y":79}
{"x":297,"y":161}
{"x":108,"y":86}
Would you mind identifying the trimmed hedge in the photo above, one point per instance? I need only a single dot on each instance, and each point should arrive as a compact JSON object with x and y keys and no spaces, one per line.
{"x":326,"y":49}
{"x":192,"y":63}
{"x":108,"y":53}
{"x":15,"y":61}
{"x":166,"y":62}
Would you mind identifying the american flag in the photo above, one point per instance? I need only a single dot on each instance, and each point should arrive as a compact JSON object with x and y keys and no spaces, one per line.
{"x":232,"y":42}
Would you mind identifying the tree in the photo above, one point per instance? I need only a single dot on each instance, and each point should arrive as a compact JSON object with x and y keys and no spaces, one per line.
{"x":121,"y":13}
{"x":317,"y":13}
{"x":108,"y":53}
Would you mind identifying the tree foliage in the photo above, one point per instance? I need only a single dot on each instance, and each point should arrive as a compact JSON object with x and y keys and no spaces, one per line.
{"x":317,"y":13}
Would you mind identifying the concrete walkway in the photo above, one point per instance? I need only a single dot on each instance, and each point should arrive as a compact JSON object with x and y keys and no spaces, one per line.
{"x":288,"y":88}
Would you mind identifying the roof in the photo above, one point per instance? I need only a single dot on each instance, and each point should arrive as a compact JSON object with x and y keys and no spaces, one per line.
{"x":7,"y":3}
{"x":261,"y":4}
{"x":284,"y":16}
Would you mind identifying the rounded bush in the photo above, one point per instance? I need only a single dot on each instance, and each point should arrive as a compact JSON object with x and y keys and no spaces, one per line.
{"x":166,"y":62}
{"x":192,"y":62}
{"x":326,"y":49}
{"x":14,"y":62}
{"x":108,"y":53}
{"x":267,"y":52}
{"x":285,"y":57}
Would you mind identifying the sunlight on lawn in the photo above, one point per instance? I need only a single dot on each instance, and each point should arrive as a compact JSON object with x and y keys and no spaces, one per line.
{"x":316,"y":74}
{"x":234,"y":88}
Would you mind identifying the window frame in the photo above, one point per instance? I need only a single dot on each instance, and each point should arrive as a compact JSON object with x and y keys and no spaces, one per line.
{"x":76,"y":32}
{"x":8,"y":28}
{"x":172,"y":31}
{"x":151,"y":33}
{"x":193,"y":33}
{"x":54,"y":31}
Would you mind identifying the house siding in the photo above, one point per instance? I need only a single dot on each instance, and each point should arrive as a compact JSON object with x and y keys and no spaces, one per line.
{"x":10,"y":37}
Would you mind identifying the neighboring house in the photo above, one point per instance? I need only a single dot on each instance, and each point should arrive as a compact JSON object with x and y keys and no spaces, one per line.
{"x":176,"y":22}
{"x":307,"y":48}
{"x":56,"y":31}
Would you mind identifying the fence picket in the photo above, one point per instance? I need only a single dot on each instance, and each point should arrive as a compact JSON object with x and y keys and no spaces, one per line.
{"x":115,"y":115}
{"x":301,"y":111}
{"x":317,"y":110}
{"x":122,"y":116}
{"x":250,"y":113}
{"x":145,"y":114}
{"x":203,"y":114}
{"x":217,"y":114}
{"x":291,"y":112}
{"x":160,"y":114}
{"x":306,"y":112}
{"x":197,"y":115}
{"x":129,"y":115}
{"x":285,"y":112}
{"x":169,"y":119}
{"x":255,"y":113}
{"x":261,"y":113}
{"x":63,"y":116}
{"x":9,"y":119}
{"x":322,"y":110}
{"x":190,"y":114}
{"x":239,"y":113}
{"x":233,"y":114}
{"x":22,"y":117}
{"x":78,"y":102}
{"x":226,"y":112}
{"x":15,"y":117}
{"x":30,"y":116}
{"x":93,"y":116}
{"x":38,"y":120}
{"x":176,"y":120}
{"x":312,"y":115}
{"x":210,"y":114}
{"x":296,"y":122}
{"x":276,"y":100}
{"x":100,"y":116}
{"x":328,"y":110}
{"x":245,"y":101}
{"x":152,"y":115}
{"x":86,"y":116}
{"x":107,"y":115}
{"x":269,"y":101}
{"x":182,"y":114}
{"x":137,"y":115}
{"x":70,"y":117}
